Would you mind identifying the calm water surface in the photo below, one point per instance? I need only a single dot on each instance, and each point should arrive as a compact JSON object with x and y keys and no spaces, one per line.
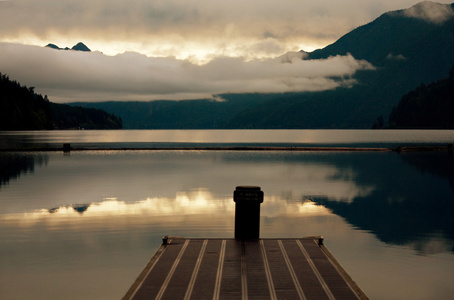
{"x":178,"y":138}
{"x":83,"y":225}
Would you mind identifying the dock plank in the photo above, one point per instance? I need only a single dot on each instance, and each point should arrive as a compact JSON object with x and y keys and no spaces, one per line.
{"x":231,"y":281}
{"x":198,"y":268}
{"x":283,"y":284}
{"x":313,"y":286}
{"x":255,"y":271}
{"x":204,"y":287}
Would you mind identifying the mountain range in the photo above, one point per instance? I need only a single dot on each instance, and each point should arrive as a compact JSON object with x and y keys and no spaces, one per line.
{"x":78,"y":47}
{"x":407,"y":48}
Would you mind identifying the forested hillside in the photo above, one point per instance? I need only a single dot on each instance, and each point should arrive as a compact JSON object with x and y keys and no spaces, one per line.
{"x":427,"y":107}
{"x":185,"y":114}
{"x":22,"y":109}
{"x":68,"y":117}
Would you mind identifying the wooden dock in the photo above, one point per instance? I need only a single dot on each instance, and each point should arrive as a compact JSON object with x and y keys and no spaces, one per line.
{"x":198,"y":268}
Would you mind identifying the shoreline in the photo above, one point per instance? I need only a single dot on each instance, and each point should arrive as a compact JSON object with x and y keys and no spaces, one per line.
{"x":68,"y":148}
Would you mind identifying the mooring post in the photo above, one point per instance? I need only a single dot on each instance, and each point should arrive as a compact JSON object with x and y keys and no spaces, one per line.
{"x":247,"y":211}
{"x":66,"y":147}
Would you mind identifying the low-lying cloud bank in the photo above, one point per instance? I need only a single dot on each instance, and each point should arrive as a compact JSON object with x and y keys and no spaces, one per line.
{"x":67,"y":76}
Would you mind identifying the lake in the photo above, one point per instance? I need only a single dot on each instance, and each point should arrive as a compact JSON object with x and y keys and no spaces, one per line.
{"x":215,"y":138}
{"x":82,"y":225}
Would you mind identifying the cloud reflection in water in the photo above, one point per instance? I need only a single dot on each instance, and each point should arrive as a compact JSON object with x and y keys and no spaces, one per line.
{"x":197,"y":202}
{"x":78,"y":217}
{"x":379,"y":192}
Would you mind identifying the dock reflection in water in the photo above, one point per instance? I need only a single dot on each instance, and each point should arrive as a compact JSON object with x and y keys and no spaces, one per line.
{"x":93,"y":219}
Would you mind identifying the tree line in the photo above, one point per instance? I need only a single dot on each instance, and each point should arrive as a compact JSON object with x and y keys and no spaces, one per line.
{"x":23,"y":109}
{"x":426,"y":107}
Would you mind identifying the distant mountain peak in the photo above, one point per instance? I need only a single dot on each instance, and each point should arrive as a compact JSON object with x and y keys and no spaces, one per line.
{"x":430,"y":11}
{"x":53,"y":46}
{"x":78,"y":47}
{"x":81,"y":47}
{"x":289,"y":57}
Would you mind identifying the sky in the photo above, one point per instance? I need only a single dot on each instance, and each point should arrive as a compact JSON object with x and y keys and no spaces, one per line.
{"x":181,"y":49}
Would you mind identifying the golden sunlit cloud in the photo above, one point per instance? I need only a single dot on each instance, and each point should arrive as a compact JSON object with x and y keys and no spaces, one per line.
{"x":197,"y":202}
{"x":190,"y":29}
{"x":183,"y":49}
{"x":198,"y":52}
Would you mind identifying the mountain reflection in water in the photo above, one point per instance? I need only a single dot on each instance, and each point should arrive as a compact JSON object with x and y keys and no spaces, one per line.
{"x":406,"y":207}
{"x":387,"y":217}
{"x":404,"y":199}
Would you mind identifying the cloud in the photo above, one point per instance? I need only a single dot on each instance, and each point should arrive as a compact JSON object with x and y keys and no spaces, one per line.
{"x":92,"y":76}
{"x":189,"y":28}
{"x":430,"y":11}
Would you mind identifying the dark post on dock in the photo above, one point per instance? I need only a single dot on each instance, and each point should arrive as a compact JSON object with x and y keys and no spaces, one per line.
{"x":247,"y":211}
